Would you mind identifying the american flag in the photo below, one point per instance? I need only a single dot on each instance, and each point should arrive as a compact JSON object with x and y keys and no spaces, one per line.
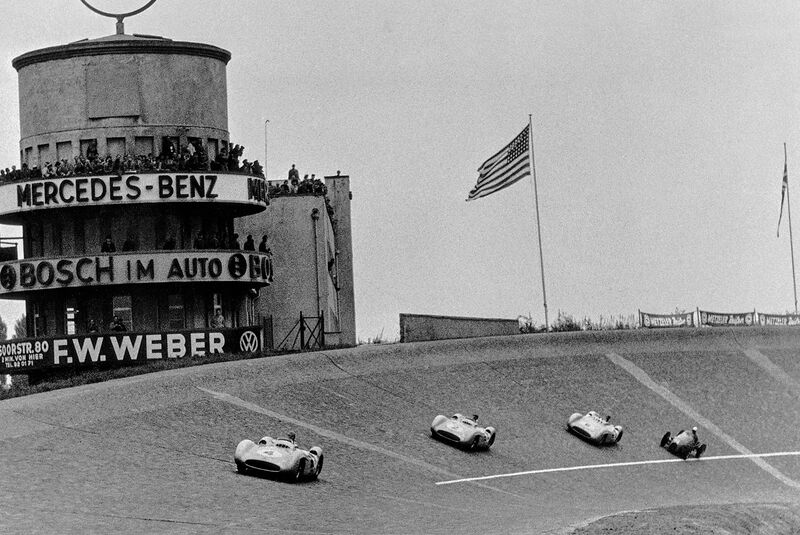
{"x":784,"y":187}
{"x":509,"y":165}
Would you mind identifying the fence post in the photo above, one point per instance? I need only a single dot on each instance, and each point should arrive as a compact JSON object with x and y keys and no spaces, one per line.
{"x":322,"y":330}
{"x":302,"y":332}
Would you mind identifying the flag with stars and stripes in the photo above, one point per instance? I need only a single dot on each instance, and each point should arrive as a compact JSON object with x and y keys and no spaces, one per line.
{"x":784,"y":187}
{"x":511,"y":164}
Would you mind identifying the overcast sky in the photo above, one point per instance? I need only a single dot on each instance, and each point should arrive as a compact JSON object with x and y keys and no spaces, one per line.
{"x":658,"y":138}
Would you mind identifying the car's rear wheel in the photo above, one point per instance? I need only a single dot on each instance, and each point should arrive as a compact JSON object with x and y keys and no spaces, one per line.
{"x":672,"y":448}
{"x":665,"y":439}
{"x":319,"y":465}
{"x":701,"y":450}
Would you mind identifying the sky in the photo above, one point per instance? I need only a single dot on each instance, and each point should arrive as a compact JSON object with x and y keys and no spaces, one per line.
{"x":658,"y":134}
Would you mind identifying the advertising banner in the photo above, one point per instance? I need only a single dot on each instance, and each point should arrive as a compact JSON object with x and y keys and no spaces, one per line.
{"x":785,"y":320}
{"x":122,"y":349}
{"x":656,"y":321}
{"x":135,"y":268}
{"x":140,"y":188}
{"x":725,"y":319}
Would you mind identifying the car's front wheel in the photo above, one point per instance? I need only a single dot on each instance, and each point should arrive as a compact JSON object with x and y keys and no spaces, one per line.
{"x":301,"y":468}
{"x":701,"y":450}
{"x":619,"y":436}
{"x":665,"y":439}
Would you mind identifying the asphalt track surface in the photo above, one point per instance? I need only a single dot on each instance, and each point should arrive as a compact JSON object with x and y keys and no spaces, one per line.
{"x":154,"y":453}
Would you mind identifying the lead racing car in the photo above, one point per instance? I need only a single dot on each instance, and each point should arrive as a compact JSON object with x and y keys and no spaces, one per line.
{"x":279,"y":458}
{"x":463,"y":432}
{"x":683,"y":444}
{"x":594,"y":428}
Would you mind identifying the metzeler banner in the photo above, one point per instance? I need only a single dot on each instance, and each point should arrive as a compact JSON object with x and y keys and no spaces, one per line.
{"x":721,"y":319}
{"x":123,"y":349}
{"x":655,"y":321}
{"x":779,"y":319}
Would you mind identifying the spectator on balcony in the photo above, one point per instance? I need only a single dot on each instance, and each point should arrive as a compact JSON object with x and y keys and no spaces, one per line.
{"x":294,"y":174}
{"x":117,"y":324}
{"x":91,"y":151}
{"x":262,"y":246}
{"x":170,"y":242}
{"x":213,"y":241}
{"x":92,"y":327}
{"x":258,"y":169}
{"x":235,"y":242}
{"x":249,"y":243}
{"x":108,"y":246}
{"x":218,"y":321}
{"x":200,"y":241}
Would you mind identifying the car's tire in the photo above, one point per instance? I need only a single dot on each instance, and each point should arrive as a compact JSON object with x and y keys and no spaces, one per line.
{"x":672,"y":448}
{"x":473,"y":445}
{"x":619,"y":437}
{"x":319,"y":466}
{"x":491,"y":438}
{"x":241,"y":467}
{"x":301,"y":467}
{"x":700,"y":450}
{"x":665,"y":439}
{"x":433,"y":432}
{"x":685,"y":455}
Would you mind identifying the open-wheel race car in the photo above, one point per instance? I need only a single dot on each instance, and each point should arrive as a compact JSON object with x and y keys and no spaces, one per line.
{"x":683,"y":444}
{"x":594,"y":428}
{"x":463,"y":432}
{"x":279,"y":458}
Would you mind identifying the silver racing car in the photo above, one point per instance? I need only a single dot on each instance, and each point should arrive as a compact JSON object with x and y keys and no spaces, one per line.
{"x":594,"y":428}
{"x":278,"y":457}
{"x":462,"y":432}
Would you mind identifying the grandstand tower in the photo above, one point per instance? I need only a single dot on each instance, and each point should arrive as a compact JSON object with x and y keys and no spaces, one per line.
{"x":124,"y":207}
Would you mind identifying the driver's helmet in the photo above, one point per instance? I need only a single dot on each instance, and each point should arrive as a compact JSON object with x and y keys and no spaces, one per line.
{"x":474,"y":417}
{"x":694,"y":430}
{"x":291,"y":436}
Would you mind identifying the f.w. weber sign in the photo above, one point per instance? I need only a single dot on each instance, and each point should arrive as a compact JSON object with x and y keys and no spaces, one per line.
{"x":23,"y":356}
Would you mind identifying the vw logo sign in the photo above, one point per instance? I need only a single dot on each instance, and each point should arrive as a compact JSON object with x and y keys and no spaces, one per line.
{"x":248,"y":342}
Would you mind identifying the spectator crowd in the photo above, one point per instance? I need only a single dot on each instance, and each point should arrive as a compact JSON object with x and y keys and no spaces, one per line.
{"x":192,"y":157}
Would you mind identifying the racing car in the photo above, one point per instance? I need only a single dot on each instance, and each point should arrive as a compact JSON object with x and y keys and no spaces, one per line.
{"x":462,"y":432}
{"x":683,"y":444}
{"x":278,"y":457}
{"x":594,"y":428}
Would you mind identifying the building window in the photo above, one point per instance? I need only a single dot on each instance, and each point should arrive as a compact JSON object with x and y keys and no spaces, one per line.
{"x":115,"y":146}
{"x":176,"y":315}
{"x":121,"y":305}
{"x":144,"y":145}
{"x":64,"y":150}
{"x":44,"y":155}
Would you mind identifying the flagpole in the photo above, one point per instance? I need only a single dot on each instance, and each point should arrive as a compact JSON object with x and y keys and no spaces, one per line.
{"x":791,"y":240}
{"x":538,"y":224}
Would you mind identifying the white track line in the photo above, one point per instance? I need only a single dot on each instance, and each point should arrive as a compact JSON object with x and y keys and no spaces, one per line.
{"x":641,"y":376}
{"x":773,"y":370}
{"x":618,"y":465}
{"x":233,"y":400}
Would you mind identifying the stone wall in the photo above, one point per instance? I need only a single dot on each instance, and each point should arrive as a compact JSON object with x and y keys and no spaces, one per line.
{"x":420,"y":327}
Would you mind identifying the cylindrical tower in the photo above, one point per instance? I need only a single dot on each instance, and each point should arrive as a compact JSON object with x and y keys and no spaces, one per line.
{"x":127,"y":191}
